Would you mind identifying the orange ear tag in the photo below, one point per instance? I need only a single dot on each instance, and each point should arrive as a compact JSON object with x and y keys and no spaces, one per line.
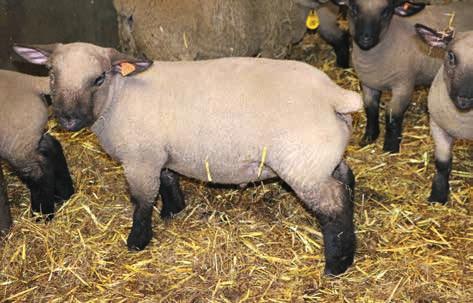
{"x":126,"y":68}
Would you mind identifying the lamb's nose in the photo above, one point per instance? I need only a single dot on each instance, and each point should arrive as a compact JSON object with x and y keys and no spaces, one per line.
{"x":69,"y":122}
{"x":366,"y":39}
{"x":464,"y":103}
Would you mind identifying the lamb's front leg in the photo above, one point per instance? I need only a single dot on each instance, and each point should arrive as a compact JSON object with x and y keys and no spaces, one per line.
{"x":371,"y":99}
{"x":443,"y":163}
{"x":395,"y":115}
{"x":143,"y":181}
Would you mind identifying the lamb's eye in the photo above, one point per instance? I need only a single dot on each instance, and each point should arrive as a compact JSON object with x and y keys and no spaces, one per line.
{"x":452,"y":59}
{"x":99,"y":81}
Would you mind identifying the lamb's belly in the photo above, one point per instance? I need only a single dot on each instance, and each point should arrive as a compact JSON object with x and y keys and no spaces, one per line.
{"x":230,"y":170}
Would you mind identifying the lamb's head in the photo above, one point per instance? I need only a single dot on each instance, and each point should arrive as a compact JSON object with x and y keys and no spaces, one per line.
{"x":369,"y":20}
{"x":458,"y":63}
{"x":81,"y":77}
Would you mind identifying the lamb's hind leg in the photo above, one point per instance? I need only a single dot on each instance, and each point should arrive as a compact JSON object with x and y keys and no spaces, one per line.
{"x":52,"y":150}
{"x":333,"y":208}
{"x":344,"y":174}
{"x":37,"y":172}
{"x":171,"y":194}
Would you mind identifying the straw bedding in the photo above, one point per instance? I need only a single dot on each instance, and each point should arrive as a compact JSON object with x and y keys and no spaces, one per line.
{"x":250,"y":245}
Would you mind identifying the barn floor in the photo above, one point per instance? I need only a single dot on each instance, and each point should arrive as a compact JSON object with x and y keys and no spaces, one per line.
{"x":250,"y":245}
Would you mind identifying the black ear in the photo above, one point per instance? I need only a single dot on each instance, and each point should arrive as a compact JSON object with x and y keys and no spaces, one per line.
{"x":433,"y":37}
{"x":127,"y":65}
{"x":36,"y":54}
{"x":408,"y":8}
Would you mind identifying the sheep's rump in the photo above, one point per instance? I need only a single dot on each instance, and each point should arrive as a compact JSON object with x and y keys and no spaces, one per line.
{"x":202,"y":29}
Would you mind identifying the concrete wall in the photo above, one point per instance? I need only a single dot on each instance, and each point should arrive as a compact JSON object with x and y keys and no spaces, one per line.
{"x":48,"y":21}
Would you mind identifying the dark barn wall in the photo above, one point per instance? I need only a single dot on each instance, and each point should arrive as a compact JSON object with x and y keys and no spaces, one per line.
{"x":48,"y":21}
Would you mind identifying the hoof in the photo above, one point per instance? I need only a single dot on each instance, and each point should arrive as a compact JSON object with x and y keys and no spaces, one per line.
{"x":338,"y":267}
{"x":368,"y":139}
{"x":169,"y":211}
{"x":438,"y":197}
{"x":392,"y":147}
{"x":62,"y":195}
{"x":138,"y":240}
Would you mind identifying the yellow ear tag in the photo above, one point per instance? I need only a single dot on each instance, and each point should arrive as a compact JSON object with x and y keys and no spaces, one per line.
{"x":313,"y":20}
{"x":126,"y":68}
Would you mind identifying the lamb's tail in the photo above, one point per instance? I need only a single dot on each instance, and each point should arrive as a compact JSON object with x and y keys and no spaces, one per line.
{"x":348,"y":102}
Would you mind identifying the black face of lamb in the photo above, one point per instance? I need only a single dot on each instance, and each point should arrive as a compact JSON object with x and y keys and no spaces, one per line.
{"x":393,"y":136}
{"x":171,"y":194}
{"x":74,"y":110}
{"x":440,"y":184}
{"x":461,"y":90}
{"x":368,"y":27}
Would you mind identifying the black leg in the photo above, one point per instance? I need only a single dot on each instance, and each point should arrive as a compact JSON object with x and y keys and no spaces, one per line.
{"x":372,"y":125}
{"x":171,"y":194}
{"x":52,"y":150}
{"x":344,"y":174}
{"x":393,"y":136}
{"x":141,"y":230}
{"x":342,"y":50}
{"x":440,"y":184}
{"x":339,"y":237}
{"x":41,"y":186}
{"x":371,"y":98}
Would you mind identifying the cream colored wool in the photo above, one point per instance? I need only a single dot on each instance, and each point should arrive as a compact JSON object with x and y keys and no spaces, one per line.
{"x":197,"y":29}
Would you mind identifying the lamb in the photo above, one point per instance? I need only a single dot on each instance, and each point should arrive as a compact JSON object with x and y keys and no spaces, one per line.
{"x":195,"y":29}
{"x":388,"y":55}
{"x":450,"y":101}
{"x":34,"y":155}
{"x":228,"y":121}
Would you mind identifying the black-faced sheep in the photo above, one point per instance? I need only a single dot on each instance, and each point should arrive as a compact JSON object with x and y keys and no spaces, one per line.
{"x":388,"y":55}
{"x":450,"y":101}
{"x":230,"y":121}
{"x":34,"y":155}
{"x":196,"y":29}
